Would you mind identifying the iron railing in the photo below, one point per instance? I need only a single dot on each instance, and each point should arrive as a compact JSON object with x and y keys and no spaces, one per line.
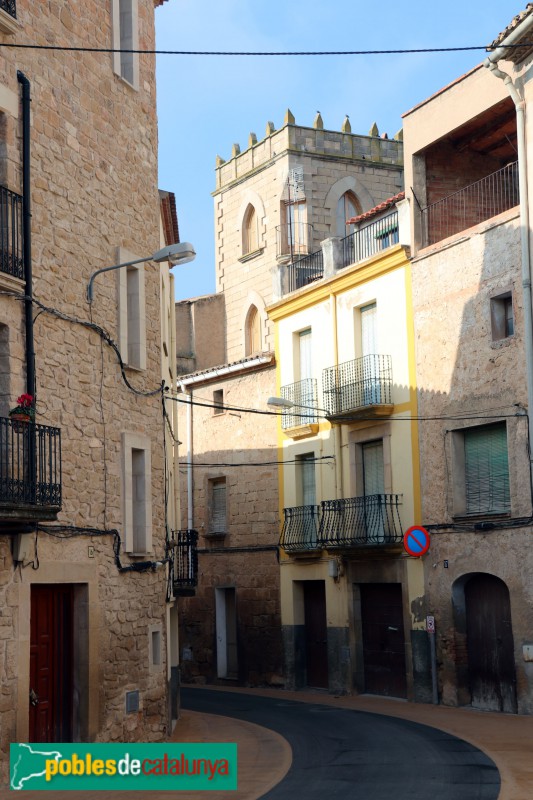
{"x":360,"y":521}
{"x":11,"y":254}
{"x":486,"y":198}
{"x":365,"y":381}
{"x":30,"y":465}
{"x":300,"y":528}
{"x":304,"y":396}
{"x":306,"y":270}
{"x":371,"y":239}
{"x":10,"y":7}
{"x":293,"y":240}
{"x":183,"y":548}
{"x":353,"y":522}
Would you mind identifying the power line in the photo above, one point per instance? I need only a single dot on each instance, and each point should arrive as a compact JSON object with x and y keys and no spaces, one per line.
{"x":256,"y":53}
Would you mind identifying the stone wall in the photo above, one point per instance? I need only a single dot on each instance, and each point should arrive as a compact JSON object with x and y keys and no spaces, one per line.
{"x":94,"y":189}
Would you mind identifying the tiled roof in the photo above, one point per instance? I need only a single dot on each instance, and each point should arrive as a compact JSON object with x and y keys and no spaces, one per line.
{"x":515,"y":53}
{"x":169,"y":217}
{"x":377,"y":209}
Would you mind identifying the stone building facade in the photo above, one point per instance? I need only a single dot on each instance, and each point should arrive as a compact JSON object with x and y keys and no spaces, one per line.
{"x":274,"y":204}
{"x":82,"y":506}
{"x":468,"y":161}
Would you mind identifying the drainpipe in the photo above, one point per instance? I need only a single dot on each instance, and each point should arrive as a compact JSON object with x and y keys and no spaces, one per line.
{"x":190,"y":508}
{"x":337,"y":429}
{"x":520,"y":105}
{"x":26,"y":232}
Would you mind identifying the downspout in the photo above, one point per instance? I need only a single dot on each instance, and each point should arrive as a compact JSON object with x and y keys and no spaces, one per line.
{"x":26,"y":232}
{"x":337,"y":429}
{"x":190,"y":508}
{"x":524,"y":234}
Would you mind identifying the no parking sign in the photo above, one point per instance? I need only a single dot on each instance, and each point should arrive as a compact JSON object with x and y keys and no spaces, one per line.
{"x":416,"y":541}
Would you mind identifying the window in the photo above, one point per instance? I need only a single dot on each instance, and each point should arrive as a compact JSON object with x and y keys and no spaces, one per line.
{"x":217,"y":506}
{"x":131,"y":310}
{"x":347,"y":207}
{"x":155,"y":646}
{"x":137,"y":500}
{"x":253,"y":331}
{"x":502,"y":316}
{"x":481,"y":480}
{"x":126,"y":37}
{"x":218,"y":401}
{"x":306,"y":486}
{"x":250,"y":238}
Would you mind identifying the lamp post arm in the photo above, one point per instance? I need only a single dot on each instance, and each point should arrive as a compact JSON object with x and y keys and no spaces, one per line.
{"x":90,"y":293}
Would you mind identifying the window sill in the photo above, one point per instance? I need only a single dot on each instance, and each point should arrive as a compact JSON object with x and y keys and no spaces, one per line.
{"x":215,"y":536}
{"x":8,"y":24}
{"x":486,"y":516}
{"x":249,"y":256}
{"x":302,"y":431}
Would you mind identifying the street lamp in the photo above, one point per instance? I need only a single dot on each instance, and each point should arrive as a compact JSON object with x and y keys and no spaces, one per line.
{"x":180,"y":253}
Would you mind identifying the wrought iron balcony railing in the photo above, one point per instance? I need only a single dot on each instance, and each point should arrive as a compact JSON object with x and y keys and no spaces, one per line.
{"x":360,"y":521}
{"x":304,"y":396}
{"x":30,"y":468}
{"x":10,"y":7}
{"x":306,"y":270}
{"x":11,"y":255}
{"x":293,"y":240}
{"x":363,"y":382}
{"x":300,"y":528}
{"x":486,"y":198}
{"x":368,"y":521}
{"x":183,"y":549}
{"x":370,"y":240}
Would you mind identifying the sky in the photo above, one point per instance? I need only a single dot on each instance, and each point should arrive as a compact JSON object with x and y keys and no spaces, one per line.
{"x":206,"y":103}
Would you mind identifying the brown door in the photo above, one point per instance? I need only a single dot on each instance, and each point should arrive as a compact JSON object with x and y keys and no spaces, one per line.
{"x":491,"y":665}
{"x":316,"y":634}
{"x":383,"y":639}
{"x":51,"y":663}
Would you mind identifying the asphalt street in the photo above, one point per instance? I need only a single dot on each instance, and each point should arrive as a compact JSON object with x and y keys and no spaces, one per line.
{"x":354,"y":755}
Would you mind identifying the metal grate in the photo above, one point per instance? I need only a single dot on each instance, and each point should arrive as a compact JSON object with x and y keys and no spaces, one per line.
{"x":371,"y":239}
{"x":30,"y":464}
{"x":293,"y":240}
{"x":304,"y":396}
{"x":184,"y":558}
{"x":132,"y":702}
{"x":476,"y":203}
{"x":300,"y":528}
{"x":371,"y":520}
{"x":306,"y":270}
{"x":10,"y":7}
{"x":11,"y":254}
{"x":365,"y":381}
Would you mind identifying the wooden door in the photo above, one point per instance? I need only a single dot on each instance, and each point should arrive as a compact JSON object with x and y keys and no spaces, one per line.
{"x":491,"y":665}
{"x":383,"y":639}
{"x":51,"y":661}
{"x":316,"y":634}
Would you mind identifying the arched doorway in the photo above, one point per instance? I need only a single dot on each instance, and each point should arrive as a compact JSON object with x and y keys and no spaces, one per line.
{"x":490,"y":644}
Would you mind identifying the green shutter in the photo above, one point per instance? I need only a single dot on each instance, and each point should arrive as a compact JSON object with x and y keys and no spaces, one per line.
{"x":487,"y":470}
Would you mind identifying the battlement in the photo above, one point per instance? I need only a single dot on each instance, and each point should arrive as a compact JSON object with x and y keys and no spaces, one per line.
{"x":305,"y":141}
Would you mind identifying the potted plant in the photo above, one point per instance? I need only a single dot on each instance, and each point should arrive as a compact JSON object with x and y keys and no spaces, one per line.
{"x":24,"y":411}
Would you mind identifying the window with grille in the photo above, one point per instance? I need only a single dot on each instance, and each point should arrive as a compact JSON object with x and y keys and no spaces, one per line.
{"x":486,"y":470}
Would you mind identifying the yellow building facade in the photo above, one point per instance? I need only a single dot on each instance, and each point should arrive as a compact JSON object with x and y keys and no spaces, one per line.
{"x":353,"y":614}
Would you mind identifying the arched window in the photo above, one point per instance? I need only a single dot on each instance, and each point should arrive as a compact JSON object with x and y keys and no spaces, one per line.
{"x":253,"y":331}
{"x":250,"y":239}
{"x":348,"y":206}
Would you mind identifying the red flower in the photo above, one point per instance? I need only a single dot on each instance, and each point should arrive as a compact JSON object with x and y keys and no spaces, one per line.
{"x":25,"y":401}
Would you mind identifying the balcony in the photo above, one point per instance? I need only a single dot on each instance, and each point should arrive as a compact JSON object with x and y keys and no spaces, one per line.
{"x":360,"y":522}
{"x":362,"y":387}
{"x":303,"y":419}
{"x":293,"y":241}
{"x":371,"y":521}
{"x":11,"y":254}
{"x":480,"y":201}
{"x":30,"y":473}
{"x":300,"y":529}
{"x":305,"y":271}
{"x":183,"y":548}
{"x":370,"y":240}
{"x":10,"y":7}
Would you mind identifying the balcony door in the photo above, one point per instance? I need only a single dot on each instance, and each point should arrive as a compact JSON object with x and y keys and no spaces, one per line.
{"x":307,"y":491}
{"x":369,"y":349}
{"x":373,"y":484}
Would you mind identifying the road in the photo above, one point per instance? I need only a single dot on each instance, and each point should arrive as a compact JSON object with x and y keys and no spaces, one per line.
{"x":354,"y":755}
